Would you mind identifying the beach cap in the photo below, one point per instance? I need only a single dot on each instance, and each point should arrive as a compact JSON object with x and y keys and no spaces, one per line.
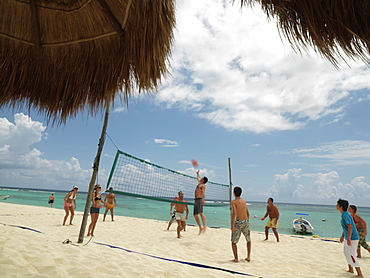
{"x":75,"y":187}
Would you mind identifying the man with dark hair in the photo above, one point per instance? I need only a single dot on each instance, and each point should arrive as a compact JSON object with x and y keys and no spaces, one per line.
{"x":349,"y":237}
{"x":273,"y":213}
{"x":51,"y":200}
{"x":172,"y":213}
{"x":200,"y":191}
{"x":361,"y":229}
{"x":240,"y":224}
{"x":179,"y":214}
{"x":343,"y":204}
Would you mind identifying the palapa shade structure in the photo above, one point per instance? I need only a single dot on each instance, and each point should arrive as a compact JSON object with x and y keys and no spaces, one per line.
{"x":332,"y":27}
{"x":62,"y":56}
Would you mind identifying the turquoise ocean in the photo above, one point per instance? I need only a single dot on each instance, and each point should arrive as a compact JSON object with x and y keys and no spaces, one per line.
{"x":218,"y":217}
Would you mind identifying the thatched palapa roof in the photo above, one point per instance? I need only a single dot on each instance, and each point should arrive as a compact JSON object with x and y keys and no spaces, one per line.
{"x":332,"y":27}
{"x":61,"y":56}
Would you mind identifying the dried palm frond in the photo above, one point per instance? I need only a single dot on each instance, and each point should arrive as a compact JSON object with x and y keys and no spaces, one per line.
{"x":332,"y":27}
{"x":63,"y":56}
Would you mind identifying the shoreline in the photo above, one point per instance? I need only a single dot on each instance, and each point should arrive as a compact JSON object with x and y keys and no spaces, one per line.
{"x":216,"y":216}
{"x":32,"y":243}
{"x":165,"y":223}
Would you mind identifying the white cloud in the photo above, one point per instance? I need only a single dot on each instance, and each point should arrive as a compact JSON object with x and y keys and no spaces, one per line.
{"x":184,"y":161}
{"x":23,"y":166}
{"x":324,"y":188}
{"x":20,"y":135}
{"x":287,"y":185}
{"x":260,"y":87}
{"x":326,"y":185}
{"x":253,"y":165}
{"x":210,"y":174}
{"x":346,"y":152}
{"x":166,"y":143}
{"x":360,"y":189}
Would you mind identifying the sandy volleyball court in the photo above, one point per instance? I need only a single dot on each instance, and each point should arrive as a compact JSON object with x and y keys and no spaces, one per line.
{"x":132,"y":247}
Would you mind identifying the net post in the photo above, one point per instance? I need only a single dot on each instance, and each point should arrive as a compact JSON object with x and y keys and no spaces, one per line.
{"x":112,"y":170}
{"x":94,"y":174}
{"x":230,"y":189}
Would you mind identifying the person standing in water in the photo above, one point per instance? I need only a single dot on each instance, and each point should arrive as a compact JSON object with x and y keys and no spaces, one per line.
{"x":51,"y":200}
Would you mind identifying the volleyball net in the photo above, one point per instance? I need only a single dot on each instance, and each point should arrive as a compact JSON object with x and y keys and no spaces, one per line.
{"x":135,"y":177}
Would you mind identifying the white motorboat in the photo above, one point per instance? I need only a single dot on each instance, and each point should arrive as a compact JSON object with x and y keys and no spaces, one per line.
{"x":301,"y":225}
{"x":4,"y":197}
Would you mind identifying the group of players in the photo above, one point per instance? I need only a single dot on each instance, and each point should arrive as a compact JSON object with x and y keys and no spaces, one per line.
{"x":240,"y":222}
{"x":240,"y":216}
{"x":180,"y":209}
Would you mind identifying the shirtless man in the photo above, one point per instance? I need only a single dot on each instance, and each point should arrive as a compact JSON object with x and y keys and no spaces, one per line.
{"x":110,"y":198}
{"x":199,"y":201}
{"x":51,"y":200}
{"x":273,"y":213}
{"x":173,"y":218}
{"x":240,"y":224}
{"x":361,"y":227}
{"x":179,"y":214}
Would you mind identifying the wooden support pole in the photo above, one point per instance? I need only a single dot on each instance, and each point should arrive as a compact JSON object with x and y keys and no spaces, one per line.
{"x":94,"y":174}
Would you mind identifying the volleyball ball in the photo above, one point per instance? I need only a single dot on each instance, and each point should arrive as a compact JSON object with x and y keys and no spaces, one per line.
{"x":194,"y":163}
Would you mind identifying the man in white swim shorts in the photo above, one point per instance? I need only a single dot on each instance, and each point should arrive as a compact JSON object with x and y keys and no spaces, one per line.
{"x":349,"y":238}
{"x":179,"y":213}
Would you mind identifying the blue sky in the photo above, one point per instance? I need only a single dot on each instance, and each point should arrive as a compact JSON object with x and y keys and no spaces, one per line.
{"x":295,"y":127}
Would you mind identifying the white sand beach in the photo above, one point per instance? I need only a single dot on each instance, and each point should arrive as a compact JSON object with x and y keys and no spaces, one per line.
{"x":155,"y":252}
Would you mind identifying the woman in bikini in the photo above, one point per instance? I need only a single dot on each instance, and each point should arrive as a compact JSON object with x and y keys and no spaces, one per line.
{"x":110,"y":198}
{"x":70,"y":204}
{"x":95,"y":208}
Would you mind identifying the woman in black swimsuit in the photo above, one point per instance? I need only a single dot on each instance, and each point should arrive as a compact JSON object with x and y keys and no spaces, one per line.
{"x":95,"y":208}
